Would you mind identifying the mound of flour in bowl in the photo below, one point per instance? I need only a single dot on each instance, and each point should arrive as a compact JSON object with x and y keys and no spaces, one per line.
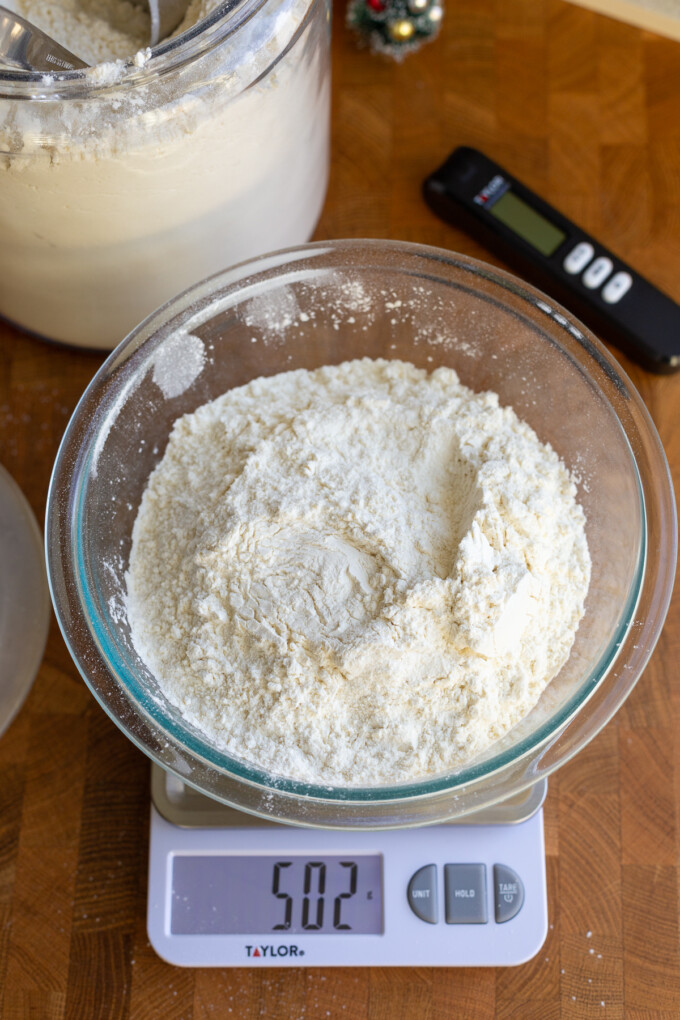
{"x":362,"y":574}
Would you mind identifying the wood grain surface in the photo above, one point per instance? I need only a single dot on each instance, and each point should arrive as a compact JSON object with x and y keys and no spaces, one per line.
{"x":587,"y":111}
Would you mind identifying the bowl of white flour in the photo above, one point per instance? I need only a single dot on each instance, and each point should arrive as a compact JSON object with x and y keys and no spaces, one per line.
{"x":126,"y":182}
{"x":361,"y":533}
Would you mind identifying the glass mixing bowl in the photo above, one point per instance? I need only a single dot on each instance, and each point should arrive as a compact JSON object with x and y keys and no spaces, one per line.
{"x":323,"y":304}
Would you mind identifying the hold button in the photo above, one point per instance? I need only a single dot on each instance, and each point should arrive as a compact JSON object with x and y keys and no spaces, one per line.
{"x":465,"y":893}
{"x":422,"y":894}
{"x":509,"y":892}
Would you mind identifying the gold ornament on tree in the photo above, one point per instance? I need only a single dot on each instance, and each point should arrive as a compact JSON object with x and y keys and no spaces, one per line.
{"x":400,"y":31}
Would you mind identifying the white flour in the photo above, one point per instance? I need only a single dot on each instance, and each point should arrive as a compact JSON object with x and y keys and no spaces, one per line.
{"x":361,"y":574}
{"x":100,"y":31}
{"x":95,"y":30}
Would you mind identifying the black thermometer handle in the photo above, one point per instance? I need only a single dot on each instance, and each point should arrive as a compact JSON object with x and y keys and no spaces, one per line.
{"x":471,"y":191}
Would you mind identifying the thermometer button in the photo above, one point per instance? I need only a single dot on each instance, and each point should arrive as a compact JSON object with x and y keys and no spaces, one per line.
{"x":579,"y":257}
{"x":465,"y":887}
{"x":509,"y":892}
{"x":598,"y":272}
{"x":619,"y":285}
{"x":422,"y":894}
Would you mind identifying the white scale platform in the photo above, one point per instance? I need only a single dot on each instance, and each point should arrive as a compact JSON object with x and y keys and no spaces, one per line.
{"x":229,"y":890}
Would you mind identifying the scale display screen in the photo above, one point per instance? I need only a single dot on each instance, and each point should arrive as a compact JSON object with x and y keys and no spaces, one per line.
{"x":517,"y":214}
{"x":259,"y":895}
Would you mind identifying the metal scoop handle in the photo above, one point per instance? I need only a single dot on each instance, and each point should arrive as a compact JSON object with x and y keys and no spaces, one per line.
{"x":26,"y":48}
{"x":165,"y":16}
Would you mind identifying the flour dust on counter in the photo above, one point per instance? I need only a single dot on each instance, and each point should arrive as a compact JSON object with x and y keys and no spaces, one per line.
{"x":362,"y":574}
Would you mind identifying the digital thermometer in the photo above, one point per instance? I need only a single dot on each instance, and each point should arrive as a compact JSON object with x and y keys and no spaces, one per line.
{"x":471,"y":191}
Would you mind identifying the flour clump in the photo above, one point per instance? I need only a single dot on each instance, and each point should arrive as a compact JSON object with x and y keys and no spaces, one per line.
{"x":361,"y":574}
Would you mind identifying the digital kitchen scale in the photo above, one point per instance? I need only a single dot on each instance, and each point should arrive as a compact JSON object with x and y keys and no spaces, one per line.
{"x":227,"y":889}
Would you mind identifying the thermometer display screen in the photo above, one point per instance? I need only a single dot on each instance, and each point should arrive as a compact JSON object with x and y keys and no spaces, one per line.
{"x":268,"y":895}
{"x":517,"y":214}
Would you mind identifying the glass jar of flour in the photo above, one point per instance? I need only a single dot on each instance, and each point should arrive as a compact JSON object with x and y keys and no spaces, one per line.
{"x":123,"y":184}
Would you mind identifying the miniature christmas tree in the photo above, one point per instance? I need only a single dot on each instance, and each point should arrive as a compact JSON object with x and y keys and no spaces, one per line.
{"x":395,"y":27}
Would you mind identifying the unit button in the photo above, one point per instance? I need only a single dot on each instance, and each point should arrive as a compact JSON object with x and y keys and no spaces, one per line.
{"x":598,"y":272}
{"x":465,"y":888}
{"x":422,"y":894}
{"x":619,"y":285}
{"x":579,"y":257}
{"x":509,"y":892}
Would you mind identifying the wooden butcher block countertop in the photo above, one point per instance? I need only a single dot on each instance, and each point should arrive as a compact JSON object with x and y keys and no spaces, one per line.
{"x":586,"y":110}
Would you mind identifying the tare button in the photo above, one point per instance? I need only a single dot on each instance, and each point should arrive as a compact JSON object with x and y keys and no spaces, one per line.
{"x":465,"y":889}
{"x":509,"y":892}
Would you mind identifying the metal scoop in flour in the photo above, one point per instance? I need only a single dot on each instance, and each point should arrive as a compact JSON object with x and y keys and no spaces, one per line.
{"x":25,"y":47}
